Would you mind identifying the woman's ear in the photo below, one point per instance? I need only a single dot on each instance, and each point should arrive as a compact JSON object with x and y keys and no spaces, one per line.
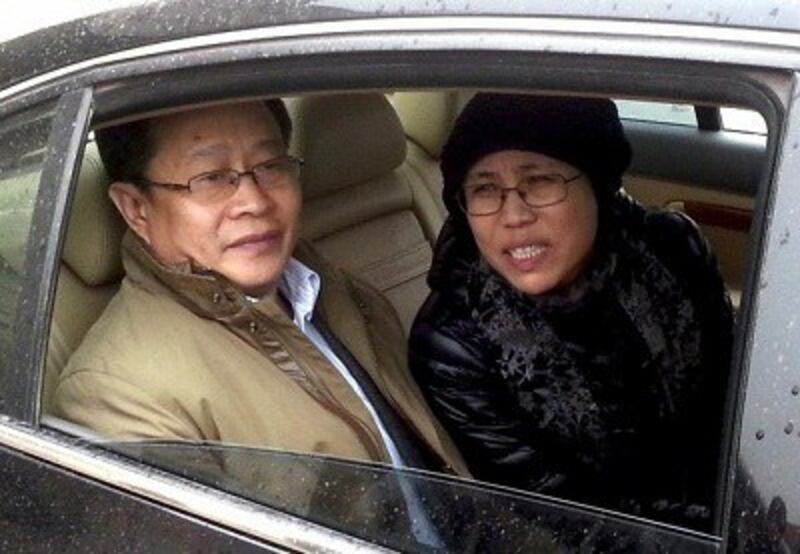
{"x":134,"y":204}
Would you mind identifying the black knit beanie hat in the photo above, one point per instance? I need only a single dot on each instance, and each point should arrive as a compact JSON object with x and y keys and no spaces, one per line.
{"x":583,"y":132}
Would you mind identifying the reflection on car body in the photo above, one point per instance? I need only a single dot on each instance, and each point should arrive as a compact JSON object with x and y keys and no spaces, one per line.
{"x":421,"y":64}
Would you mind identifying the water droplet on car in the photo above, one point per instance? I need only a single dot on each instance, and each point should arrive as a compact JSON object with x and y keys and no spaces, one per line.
{"x":789,"y":429}
{"x":795,"y":390}
{"x":760,"y":434}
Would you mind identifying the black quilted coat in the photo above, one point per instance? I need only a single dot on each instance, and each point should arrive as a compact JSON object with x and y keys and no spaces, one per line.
{"x":610,"y":392}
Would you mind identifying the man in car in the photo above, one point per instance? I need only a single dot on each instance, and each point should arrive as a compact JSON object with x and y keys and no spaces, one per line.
{"x":219,"y":331}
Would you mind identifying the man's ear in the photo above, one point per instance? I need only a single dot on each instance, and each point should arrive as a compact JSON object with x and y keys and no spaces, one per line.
{"x":134,"y":204}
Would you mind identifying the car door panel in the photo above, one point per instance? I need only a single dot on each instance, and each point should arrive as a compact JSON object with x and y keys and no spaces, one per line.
{"x":46,"y":509}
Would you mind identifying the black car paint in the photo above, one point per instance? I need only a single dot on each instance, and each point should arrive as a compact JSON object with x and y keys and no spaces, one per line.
{"x":46,"y":509}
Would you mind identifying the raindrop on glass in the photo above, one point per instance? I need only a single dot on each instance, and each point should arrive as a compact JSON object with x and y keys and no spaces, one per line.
{"x":795,"y":390}
{"x":789,"y":429}
{"x":760,"y":434}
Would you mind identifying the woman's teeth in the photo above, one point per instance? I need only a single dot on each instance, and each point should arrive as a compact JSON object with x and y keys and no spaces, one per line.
{"x":525,"y":252}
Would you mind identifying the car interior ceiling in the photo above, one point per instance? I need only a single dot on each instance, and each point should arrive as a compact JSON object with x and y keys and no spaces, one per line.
{"x":371,"y":173}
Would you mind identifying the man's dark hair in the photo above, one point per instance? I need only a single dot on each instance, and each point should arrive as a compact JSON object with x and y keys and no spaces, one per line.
{"x":126,"y":149}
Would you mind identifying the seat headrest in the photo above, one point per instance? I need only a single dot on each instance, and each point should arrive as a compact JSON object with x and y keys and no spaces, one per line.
{"x":428,"y":116}
{"x":346,"y":139}
{"x":95,"y":229}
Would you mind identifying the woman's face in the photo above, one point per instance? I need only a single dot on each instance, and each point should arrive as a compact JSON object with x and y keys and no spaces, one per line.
{"x":535,"y":249}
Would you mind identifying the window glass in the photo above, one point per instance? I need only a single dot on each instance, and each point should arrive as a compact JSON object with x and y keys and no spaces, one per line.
{"x":659,"y":112}
{"x":21,"y":158}
{"x":739,"y":119}
{"x":409,"y":511}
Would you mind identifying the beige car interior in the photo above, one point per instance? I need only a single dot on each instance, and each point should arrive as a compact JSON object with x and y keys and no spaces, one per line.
{"x":371,"y":193}
{"x":366,"y":207}
{"x":724,"y":218}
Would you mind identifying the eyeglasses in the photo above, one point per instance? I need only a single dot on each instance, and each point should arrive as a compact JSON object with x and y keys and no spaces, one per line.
{"x":215,"y":186}
{"x":537,"y":191}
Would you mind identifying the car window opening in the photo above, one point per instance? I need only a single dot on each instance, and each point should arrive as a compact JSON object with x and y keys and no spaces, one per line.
{"x":373,"y":207}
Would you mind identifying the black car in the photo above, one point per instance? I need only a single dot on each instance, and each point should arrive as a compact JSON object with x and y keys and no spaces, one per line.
{"x":709,"y":98}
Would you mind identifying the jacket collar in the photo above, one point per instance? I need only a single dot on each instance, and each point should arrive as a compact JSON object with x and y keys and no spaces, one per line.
{"x":203,"y":292}
{"x":212,"y":296}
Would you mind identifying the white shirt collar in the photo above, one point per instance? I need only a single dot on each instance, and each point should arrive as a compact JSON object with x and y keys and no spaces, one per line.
{"x":300,"y":286}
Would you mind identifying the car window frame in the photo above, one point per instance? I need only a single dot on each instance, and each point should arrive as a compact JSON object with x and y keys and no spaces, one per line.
{"x":70,"y":122}
{"x":692,"y":83}
{"x":774,"y":307}
{"x":146,"y":83}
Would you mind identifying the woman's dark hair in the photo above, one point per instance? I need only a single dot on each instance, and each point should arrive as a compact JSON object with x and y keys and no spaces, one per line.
{"x":126,"y":149}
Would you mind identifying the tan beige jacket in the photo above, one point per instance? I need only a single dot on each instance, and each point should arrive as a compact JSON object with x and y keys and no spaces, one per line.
{"x":182,"y":354}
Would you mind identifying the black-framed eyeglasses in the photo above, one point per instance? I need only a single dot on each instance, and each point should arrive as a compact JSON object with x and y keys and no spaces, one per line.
{"x":536,"y":191}
{"x":220,"y":184}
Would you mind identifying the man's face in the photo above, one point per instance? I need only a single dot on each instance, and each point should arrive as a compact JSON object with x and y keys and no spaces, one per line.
{"x":247,"y":237}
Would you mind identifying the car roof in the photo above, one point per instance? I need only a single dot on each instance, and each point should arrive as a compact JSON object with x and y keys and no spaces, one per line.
{"x":149,"y":22}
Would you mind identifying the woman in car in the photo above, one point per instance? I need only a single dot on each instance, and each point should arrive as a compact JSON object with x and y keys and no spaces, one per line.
{"x":574,"y":343}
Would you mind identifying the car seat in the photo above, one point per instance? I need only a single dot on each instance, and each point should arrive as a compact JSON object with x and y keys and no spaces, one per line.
{"x":366,"y":208}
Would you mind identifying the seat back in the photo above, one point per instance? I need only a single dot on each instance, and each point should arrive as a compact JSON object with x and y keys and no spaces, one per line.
{"x":365,"y":207}
{"x":90,"y":271}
